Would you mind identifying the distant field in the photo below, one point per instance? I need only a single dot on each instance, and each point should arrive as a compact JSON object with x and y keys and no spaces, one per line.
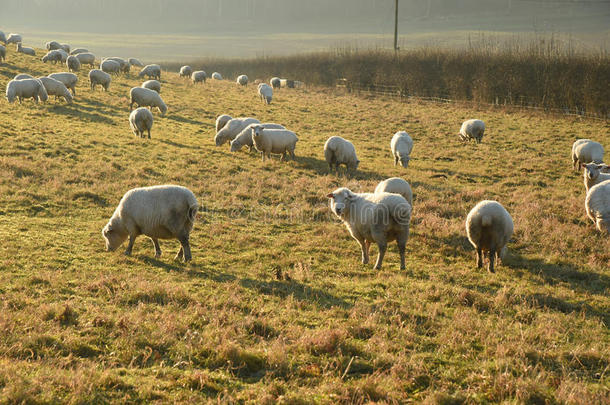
{"x":276,"y":307}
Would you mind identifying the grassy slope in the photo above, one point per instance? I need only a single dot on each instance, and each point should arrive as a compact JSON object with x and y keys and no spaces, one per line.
{"x":79,"y":324}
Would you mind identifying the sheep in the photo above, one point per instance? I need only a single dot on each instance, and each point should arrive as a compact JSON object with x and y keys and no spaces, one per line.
{"x":221,"y":121}
{"x":52,"y":56}
{"x":159,"y":212}
{"x":67,"y":78}
{"x":258,"y":81}
{"x":339,"y":151}
{"x":586,"y":151}
{"x":489,"y":228}
{"x":597,"y":205}
{"x":73,"y":63}
{"x":52,"y":45}
{"x":2,"y":37}
{"x":265,"y":92}
{"x":276,"y":141}
{"x":151,"y":71}
{"x":472,"y":129}
{"x":242,"y":80}
{"x":146,"y":98}
{"x":56,"y":88}
{"x":140,"y":120}
{"x":110,"y":66}
{"x":135,"y":62}
{"x":97,"y":76}
{"x":153,"y":85}
{"x":124,"y":65}
{"x":396,"y":185}
{"x":64,"y":55}
{"x":232,"y":128}
{"x":26,"y":88}
{"x":401,"y":146}
{"x":22,"y":76}
{"x":287,"y":83}
{"x":24,"y":50}
{"x":186,"y":71}
{"x":198,"y":76}
{"x":595,"y":173}
{"x":245,"y":137}
{"x":216,"y":76}
{"x":86,"y":59}
{"x":13,"y":39}
{"x":275,"y":82}
{"x":2,"y":53}
{"x":65,"y":48}
{"x":379,"y":218}
{"x":79,"y":50}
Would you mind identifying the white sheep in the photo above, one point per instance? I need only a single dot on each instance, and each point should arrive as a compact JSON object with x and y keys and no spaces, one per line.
{"x":159,"y":212}
{"x":276,"y":141}
{"x":401,"y":146}
{"x":489,"y":228}
{"x":56,"y":88}
{"x":396,"y":185}
{"x":24,"y":50}
{"x":64,"y":55}
{"x":597,"y":205}
{"x":221,"y":121}
{"x":198,"y":76}
{"x":153,"y":85}
{"x":22,"y":76}
{"x":245,"y":137}
{"x":110,"y":66}
{"x":339,"y":151}
{"x":151,"y":71}
{"x":595,"y":173}
{"x":265,"y":92}
{"x":53,"y":56}
{"x":141,"y":120}
{"x":379,"y":218}
{"x":275,"y":82}
{"x":13,"y":39}
{"x":97,"y":76}
{"x":65,"y":48}
{"x":472,"y":129}
{"x":135,"y":62}
{"x":67,"y":78}
{"x":586,"y":151}
{"x":186,"y":71}
{"x":216,"y":76}
{"x":73,"y":63}
{"x":52,"y":45}
{"x":26,"y":88}
{"x":242,"y":80}
{"x":86,"y":58}
{"x":232,"y":128}
{"x":287,"y":83}
{"x":2,"y":53}
{"x":125,"y":66}
{"x":79,"y":50}
{"x":146,"y":98}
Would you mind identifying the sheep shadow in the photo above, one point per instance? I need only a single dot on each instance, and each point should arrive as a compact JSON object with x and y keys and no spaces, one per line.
{"x":178,"y":145}
{"x":167,"y":266}
{"x":320,"y":167}
{"x":209,"y":274}
{"x":77,"y":111}
{"x":557,"y":304}
{"x":179,"y":118}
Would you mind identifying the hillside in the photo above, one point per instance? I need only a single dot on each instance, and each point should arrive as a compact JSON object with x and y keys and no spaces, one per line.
{"x":275,"y":305}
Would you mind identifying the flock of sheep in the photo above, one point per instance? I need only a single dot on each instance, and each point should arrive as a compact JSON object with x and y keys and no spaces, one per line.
{"x":169,"y":212}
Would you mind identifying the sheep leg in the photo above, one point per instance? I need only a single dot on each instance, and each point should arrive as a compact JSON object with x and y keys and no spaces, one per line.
{"x":395,"y":160}
{"x":292,"y":154}
{"x":185,"y":248}
{"x":479,"y":258}
{"x":263,"y":156}
{"x":157,"y":247}
{"x":402,"y":245}
{"x":364,"y":246}
{"x":149,"y":134}
{"x":492,"y":257}
{"x":383,"y":246}
{"x":132,"y":239}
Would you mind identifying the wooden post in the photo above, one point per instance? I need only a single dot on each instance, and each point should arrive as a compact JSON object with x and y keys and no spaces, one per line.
{"x":396,"y":27}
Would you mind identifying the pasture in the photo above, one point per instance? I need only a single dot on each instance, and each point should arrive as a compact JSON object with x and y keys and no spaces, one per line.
{"x":275,"y":306}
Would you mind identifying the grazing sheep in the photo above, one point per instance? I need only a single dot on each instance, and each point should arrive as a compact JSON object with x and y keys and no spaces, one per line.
{"x":110,"y":66}
{"x":276,"y":141}
{"x":275,"y":82}
{"x":2,"y":53}
{"x":242,"y":79}
{"x":265,"y":92}
{"x":489,"y":228}
{"x":586,"y":151}
{"x":56,"y":88}
{"x":52,"y":56}
{"x":186,"y":71}
{"x":221,"y":121}
{"x":135,"y":62}
{"x":159,"y":212}
{"x":140,"y":120}
{"x":13,"y":39}
{"x":379,"y":218}
{"x":153,"y":85}
{"x":287,"y":83}
{"x":199,"y":76}
{"x":73,"y":63}
{"x":24,"y":50}
{"x":2,"y":38}
{"x":401,"y":146}
{"x":125,"y":66}
{"x":22,"y":76}
{"x":595,"y":173}
{"x":79,"y":50}
{"x":396,"y":185}
{"x":245,"y":137}
{"x":597,"y":205}
{"x":151,"y":71}
{"x":65,"y":48}
{"x":26,"y":88}
{"x":472,"y":129}
{"x":67,"y":78}
{"x":96,"y":77}
{"x":339,"y":151}
{"x":146,"y":98}
{"x":232,"y":128}
{"x":86,"y":59}
{"x":216,"y":76}
{"x":52,"y":45}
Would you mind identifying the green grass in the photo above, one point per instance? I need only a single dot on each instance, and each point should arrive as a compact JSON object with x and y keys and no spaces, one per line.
{"x":276,"y":305}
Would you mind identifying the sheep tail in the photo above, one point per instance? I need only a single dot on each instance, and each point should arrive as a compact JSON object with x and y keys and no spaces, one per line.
{"x":192,"y":214}
{"x":486,"y":220}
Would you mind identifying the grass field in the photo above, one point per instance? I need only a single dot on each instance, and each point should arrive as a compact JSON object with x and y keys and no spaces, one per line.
{"x":275,"y":306}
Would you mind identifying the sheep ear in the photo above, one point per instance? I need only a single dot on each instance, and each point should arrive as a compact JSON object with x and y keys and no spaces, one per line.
{"x":330,"y":195}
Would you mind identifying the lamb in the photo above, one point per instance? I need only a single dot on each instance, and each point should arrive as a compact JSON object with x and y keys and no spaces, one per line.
{"x":2,"y":53}
{"x":96,"y":77}
{"x":198,"y":76}
{"x":25,"y":50}
{"x":67,"y":78}
{"x":216,"y":76}
{"x":52,"y":56}
{"x":401,"y":146}
{"x":65,"y":48}
{"x":153,"y":85}
{"x":110,"y":66}
{"x":275,"y":82}
{"x":86,"y":58}
{"x":597,"y":205}
{"x":73,"y":63}
{"x":396,"y":185}
{"x":56,"y":88}
{"x":232,"y":128}
{"x":159,"y":212}
{"x":146,"y":98}
{"x":52,"y":45}
{"x":26,"y":88}
{"x":489,"y":228}
{"x":245,"y":137}
{"x":22,"y":76}
{"x":151,"y":71}
{"x":265,"y":92}
{"x":379,"y":218}
{"x":472,"y":129}
{"x":79,"y":50}
{"x":186,"y":71}
{"x":276,"y":141}
{"x":595,"y":173}
{"x":586,"y":151}
{"x":124,"y":65}
{"x":339,"y":151}
{"x":242,"y":79}
{"x":221,"y":121}
{"x":140,"y":120}
{"x":135,"y":62}
{"x":13,"y":39}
